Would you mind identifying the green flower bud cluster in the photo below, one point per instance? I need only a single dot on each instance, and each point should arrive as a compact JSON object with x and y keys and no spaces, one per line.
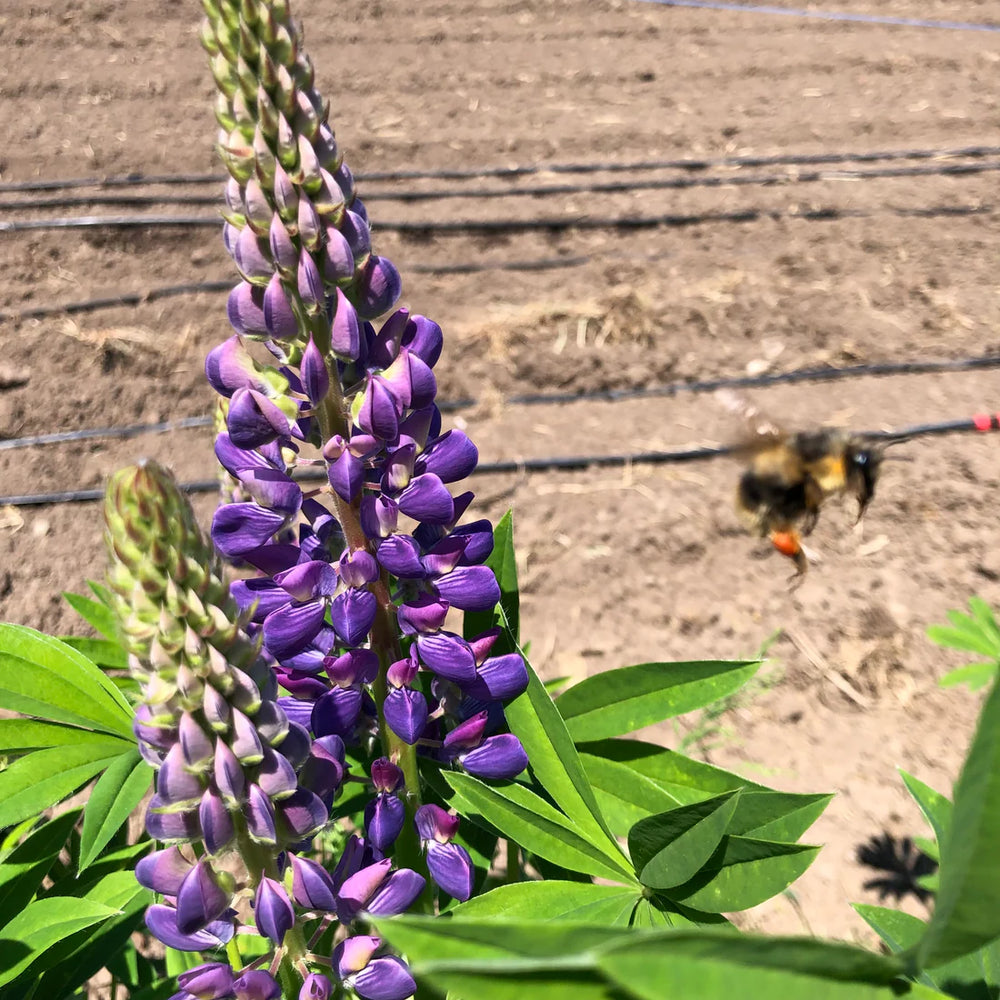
{"x":294,"y":226}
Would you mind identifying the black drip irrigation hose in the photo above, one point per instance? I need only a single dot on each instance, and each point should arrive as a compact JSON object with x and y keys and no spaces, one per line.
{"x":551,"y":224}
{"x":474,"y":173}
{"x":195,"y":288}
{"x":670,"y":389}
{"x":980,"y":424}
{"x":550,"y":190}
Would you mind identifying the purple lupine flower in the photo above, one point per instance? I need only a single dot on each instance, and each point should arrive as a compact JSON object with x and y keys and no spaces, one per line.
{"x":273,"y":910}
{"x":449,"y":864}
{"x":209,"y":981}
{"x":385,"y":978}
{"x":256,"y":985}
{"x":316,"y":987}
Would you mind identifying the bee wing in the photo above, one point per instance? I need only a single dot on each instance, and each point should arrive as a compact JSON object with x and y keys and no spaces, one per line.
{"x":759,"y":430}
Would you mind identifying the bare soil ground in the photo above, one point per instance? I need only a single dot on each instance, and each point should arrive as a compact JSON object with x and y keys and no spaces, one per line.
{"x":619,"y":565}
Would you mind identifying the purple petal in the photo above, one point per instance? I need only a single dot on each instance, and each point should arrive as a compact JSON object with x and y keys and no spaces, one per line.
{"x":162,"y":923}
{"x":452,"y":457}
{"x":245,"y":741}
{"x":336,"y":713}
{"x":283,"y":248}
{"x":245,"y":309}
{"x":346,"y":475}
{"x":312,"y":886}
{"x":239,"y":528}
{"x":211,"y":981}
{"x":175,"y":785}
{"x":228,"y":774}
{"x":272,"y":490}
{"x":276,"y":776}
{"x":497,"y":757}
{"x":434,"y":823}
{"x":295,"y":746}
{"x":200,"y":899}
{"x":337,"y":261}
{"x":310,"y":286}
{"x":396,"y":894}
{"x":352,"y":614}
{"x":358,"y":888}
{"x":264,"y":596}
{"x":500,"y":678}
{"x":400,"y":555}
{"x":260,"y":817}
{"x":345,"y":329}
{"x":423,"y":337}
{"x":323,"y":771}
{"x":302,"y":815}
{"x":163,"y":871}
{"x":384,"y":817}
{"x":251,"y":257}
{"x":467,"y":734}
{"x":379,"y":287}
{"x":197,"y":747}
{"x":427,"y":499}
{"x":316,"y":987}
{"x":448,"y":656}
{"x":279,"y":318}
{"x":253,"y":420}
{"x":357,"y":233}
{"x":379,"y":515}
{"x":356,"y":666}
{"x":170,"y":826}
{"x":470,"y":588}
{"x":384,"y":979}
{"x":234,"y":459}
{"x":386,"y":776}
{"x":357,"y":567}
{"x":479,"y":540}
{"x":308,"y":580}
{"x":452,"y":869}
{"x":379,"y":411}
{"x":273,"y":912}
{"x":290,"y":629}
{"x":217,"y":829}
{"x":406,"y":713}
{"x":229,"y":367}
{"x":256,"y":984}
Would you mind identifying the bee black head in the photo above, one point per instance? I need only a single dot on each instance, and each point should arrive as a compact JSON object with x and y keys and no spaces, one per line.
{"x":864,"y":463}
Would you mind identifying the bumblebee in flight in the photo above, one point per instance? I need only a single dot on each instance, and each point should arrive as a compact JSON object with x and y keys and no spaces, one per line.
{"x":789,"y":476}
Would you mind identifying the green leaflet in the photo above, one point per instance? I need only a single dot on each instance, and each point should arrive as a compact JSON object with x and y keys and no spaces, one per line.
{"x":742,"y":873}
{"x":669,"y":848}
{"x":117,"y":792}
{"x":97,"y":614}
{"x":32,"y":932}
{"x":967,"y":912}
{"x":43,"y":677}
{"x":935,"y":807}
{"x":23,"y":870}
{"x":629,"y":698}
{"x":572,"y":902}
{"x":45,"y":777}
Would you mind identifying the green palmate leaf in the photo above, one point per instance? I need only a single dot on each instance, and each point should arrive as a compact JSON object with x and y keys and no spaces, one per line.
{"x":935,"y":807}
{"x":964,"y":633}
{"x":570,"y":902}
{"x":117,"y":792}
{"x":742,"y":873}
{"x":669,"y":848}
{"x":104,"y":652}
{"x":621,"y":701}
{"x":25,"y":867}
{"x":97,"y":614}
{"x":527,"y":819}
{"x":967,"y":913}
{"x":27,"y":938}
{"x":70,"y":963}
{"x":928,"y":846}
{"x":898,"y":930}
{"x":45,"y":777}
{"x":632,"y":779}
{"x":18,"y":736}
{"x":41,"y":676}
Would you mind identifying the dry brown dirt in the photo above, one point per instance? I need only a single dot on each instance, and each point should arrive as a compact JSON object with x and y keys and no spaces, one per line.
{"x":618,"y":565}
